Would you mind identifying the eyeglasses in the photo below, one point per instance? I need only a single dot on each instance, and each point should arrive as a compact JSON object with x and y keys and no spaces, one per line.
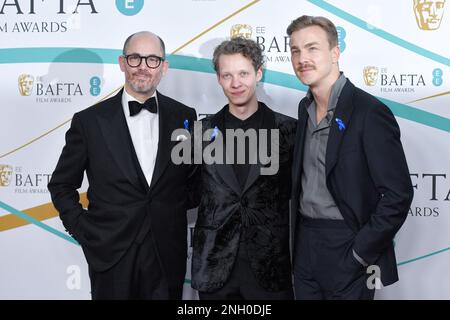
{"x":134,"y":60}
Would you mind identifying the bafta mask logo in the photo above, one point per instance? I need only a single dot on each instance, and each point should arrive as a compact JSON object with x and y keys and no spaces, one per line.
{"x":25,"y":84}
{"x":429,"y":13}
{"x":370,"y":75}
{"x":5,"y":175}
{"x":241,"y":30}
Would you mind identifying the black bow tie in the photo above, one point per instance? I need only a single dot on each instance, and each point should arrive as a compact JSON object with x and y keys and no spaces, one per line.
{"x":136,"y":107}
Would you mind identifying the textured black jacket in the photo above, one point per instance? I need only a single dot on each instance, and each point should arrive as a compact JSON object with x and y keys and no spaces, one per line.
{"x":259,"y":213}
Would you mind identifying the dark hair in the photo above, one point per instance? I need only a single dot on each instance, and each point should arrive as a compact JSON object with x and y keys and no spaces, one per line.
{"x":322,"y":22}
{"x":127,"y":41}
{"x":247,"y":47}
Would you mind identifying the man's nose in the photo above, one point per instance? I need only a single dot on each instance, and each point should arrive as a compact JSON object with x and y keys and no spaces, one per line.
{"x":303,"y":58}
{"x":143,"y":65}
{"x":235,"y":82}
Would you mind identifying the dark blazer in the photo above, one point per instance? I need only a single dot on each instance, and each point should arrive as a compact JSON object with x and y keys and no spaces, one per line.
{"x":122,"y":207}
{"x":366,"y":173}
{"x":259,"y":212}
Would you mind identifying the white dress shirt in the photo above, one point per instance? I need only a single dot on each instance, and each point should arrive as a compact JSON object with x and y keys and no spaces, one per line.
{"x":144,"y":131}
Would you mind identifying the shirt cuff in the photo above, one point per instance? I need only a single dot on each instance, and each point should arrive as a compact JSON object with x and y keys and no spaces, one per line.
{"x":359,"y":259}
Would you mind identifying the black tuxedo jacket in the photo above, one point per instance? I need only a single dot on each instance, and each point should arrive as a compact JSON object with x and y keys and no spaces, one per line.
{"x":258,"y":213}
{"x":366,"y":173}
{"x":122,"y":206}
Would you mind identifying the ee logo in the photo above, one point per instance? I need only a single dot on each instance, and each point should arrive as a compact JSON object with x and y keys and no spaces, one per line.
{"x":437,"y":77}
{"x":95,"y":86}
{"x":341,"y":38}
{"x":129,"y":7}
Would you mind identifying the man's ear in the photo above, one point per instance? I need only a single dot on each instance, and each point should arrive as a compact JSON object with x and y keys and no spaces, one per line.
{"x":335,"y":54}
{"x":122,"y":63}
{"x":165,"y":67}
{"x":259,"y":74}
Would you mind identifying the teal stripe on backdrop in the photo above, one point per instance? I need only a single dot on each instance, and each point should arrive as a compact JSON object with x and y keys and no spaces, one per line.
{"x":381,"y":33}
{"x":38,"y":223}
{"x":423,"y":257}
{"x":417,"y":115}
{"x":49,"y":55}
{"x":109,"y":56}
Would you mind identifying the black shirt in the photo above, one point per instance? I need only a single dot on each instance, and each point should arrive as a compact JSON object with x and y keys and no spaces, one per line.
{"x":252,"y":122}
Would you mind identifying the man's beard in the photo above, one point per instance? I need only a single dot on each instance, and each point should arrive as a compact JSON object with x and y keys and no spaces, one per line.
{"x":141,"y":88}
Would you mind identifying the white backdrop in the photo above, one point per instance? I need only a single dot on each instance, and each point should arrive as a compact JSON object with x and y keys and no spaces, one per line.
{"x":68,"y":51}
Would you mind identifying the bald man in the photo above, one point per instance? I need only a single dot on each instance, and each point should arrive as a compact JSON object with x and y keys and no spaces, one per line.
{"x":133,"y":232}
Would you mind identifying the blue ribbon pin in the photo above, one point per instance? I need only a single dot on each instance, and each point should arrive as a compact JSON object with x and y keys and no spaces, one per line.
{"x":214,"y":133}
{"x":186,"y":124}
{"x":341,"y":124}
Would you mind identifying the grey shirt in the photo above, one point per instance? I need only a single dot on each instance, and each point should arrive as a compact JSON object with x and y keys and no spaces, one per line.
{"x":315,"y":200}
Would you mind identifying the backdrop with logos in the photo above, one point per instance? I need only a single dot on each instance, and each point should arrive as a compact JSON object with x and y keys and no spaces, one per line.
{"x":59,"y":57}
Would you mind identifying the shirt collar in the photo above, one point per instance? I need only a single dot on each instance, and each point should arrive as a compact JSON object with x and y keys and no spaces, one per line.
{"x":253,"y":120}
{"x":126,"y":97}
{"x":336,"y":90}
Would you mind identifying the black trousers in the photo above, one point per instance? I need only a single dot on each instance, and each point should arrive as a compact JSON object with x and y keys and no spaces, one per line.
{"x":324,"y":265}
{"x":136,"y":276}
{"x":242,"y":284}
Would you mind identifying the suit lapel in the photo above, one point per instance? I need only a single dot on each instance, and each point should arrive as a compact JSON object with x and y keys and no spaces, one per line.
{"x":225,"y":171}
{"x":115,"y":131}
{"x":267,"y":122}
{"x":166,"y":126}
{"x":253,"y":174}
{"x":342,"y":113}
{"x":302,"y":123}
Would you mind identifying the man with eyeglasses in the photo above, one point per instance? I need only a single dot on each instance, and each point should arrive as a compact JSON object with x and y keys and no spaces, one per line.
{"x":133,"y":233}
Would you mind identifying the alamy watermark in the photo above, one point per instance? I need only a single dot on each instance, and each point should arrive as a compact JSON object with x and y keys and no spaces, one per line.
{"x":374,"y":280}
{"x":73,"y":281}
{"x":190,"y":150}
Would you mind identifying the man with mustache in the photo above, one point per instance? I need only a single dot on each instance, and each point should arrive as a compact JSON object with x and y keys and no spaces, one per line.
{"x":350,"y":180}
{"x":134,"y":232}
